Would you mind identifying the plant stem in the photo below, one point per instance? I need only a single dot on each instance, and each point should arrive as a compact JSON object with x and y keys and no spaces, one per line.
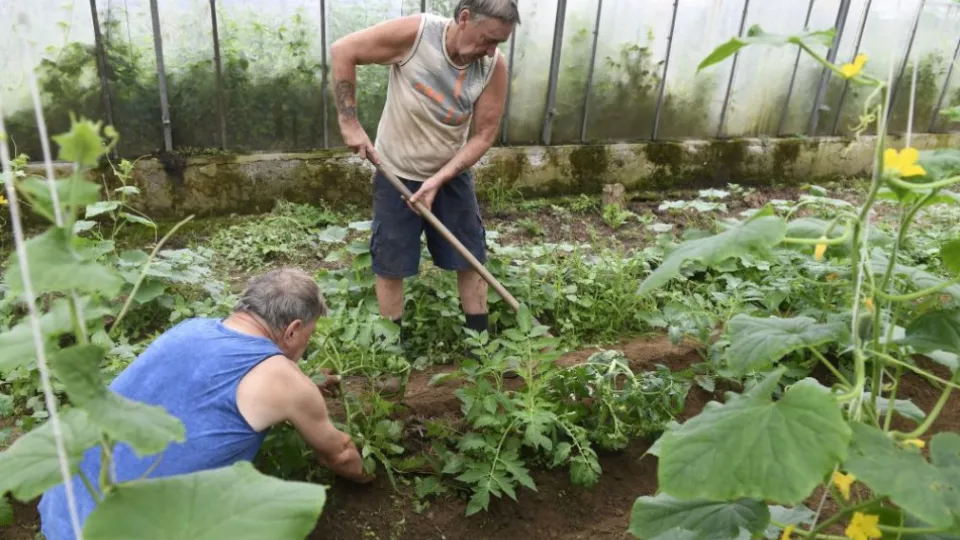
{"x":814,"y":241}
{"x":828,"y":365}
{"x":923,"y":187}
{"x":937,"y":409}
{"x":838,"y":516}
{"x":893,"y":398}
{"x":914,"y":369}
{"x":143,"y":272}
{"x":916,"y":295}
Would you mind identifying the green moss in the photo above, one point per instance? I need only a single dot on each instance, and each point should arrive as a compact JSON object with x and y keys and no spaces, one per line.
{"x":588,"y":167}
{"x":785,"y":154}
{"x":506,"y":169}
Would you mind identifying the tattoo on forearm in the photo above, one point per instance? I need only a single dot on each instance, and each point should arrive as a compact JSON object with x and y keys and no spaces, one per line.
{"x":346,"y":93}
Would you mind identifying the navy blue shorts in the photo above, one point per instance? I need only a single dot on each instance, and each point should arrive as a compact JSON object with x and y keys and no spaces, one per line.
{"x":396,"y":229}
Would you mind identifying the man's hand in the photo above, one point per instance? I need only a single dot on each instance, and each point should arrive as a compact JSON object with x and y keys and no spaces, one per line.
{"x":327,"y":382}
{"x":426,"y":194}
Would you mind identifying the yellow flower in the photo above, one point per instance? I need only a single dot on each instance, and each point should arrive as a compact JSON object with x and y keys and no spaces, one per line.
{"x":854,"y":69}
{"x":869,"y":303}
{"x":863,"y":526}
{"x":903,"y":163}
{"x":3,"y":200}
{"x":919,"y":443}
{"x":819,"y":251}
{"x":832,"y":277}
{"x":843,"y":483}
{"x":787,"y":532}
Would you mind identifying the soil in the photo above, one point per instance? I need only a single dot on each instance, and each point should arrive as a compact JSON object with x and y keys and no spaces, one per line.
{"x":557,"y":510}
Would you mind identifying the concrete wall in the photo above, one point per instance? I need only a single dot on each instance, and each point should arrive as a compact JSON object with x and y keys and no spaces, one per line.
{"x":174,"y":187}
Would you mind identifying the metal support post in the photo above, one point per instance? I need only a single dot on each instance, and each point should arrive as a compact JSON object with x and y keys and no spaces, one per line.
{"x":506,"y":105}
{"x":324,"y":68}
{"x":793,"y":76}
{"x":554,"y":72}
{"x":102,"y":69}
{"x":906,"y":60}
{"x":161,"y":77}
{"x":663,"y":78}
{"x":825,"y":74}
{"x":590,"y":68}
{"x":946,"y":88}
{"x":733,"y":72}
{"x":856,"y":51}
{"x":423,"y":6}
{"x":218,"y":76}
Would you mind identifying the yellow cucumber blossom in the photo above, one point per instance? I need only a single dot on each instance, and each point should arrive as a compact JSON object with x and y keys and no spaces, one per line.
{"x":787,"y":532}
{"x":903,"y":163}
{"x":843,"y":483}
{"x":819,"y":251}
{"x":854,"y":68}
{"x":3,"y":200}
{"x":863,"y":526}
{"x":869,"y":303}
{"x":919,"y":443}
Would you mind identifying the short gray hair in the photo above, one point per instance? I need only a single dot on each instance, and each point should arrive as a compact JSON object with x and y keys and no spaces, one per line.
{"x":282,"y":296}
{"x":504,"y":10}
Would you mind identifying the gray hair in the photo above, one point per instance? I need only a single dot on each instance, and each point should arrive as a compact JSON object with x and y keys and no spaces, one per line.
{"x":282,"y":296}
{"x":504,"y":10}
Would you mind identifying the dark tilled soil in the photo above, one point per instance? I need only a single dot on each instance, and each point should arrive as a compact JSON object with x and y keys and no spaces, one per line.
{"x":557,"y":510}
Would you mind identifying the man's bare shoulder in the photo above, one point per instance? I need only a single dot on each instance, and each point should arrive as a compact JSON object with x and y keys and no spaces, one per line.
{"x":270,"y":391}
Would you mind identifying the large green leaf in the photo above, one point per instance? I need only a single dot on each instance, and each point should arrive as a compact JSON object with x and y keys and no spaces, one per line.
{"x":148,"y":429}
{"x":904,"y":407}
{"x":753,"y":447}
{"x":921,"y":279}
{"x":708,"y":520}
{"x":30,"y":466}
{"x":758,"y":342}
{"x":74,"y":193}
{"x":935,"y":331}
{"x":101,"y":207}
{"x":950,"y":253}
{"x":798,"y":515}
{"x":756,"y":35}
{"x":940,"y":163}
{"x":903,"y":475}
{"x":82,"y":144}
{"x":945,"y":450}
{"x":754,"y":236}
{"x":56,"y":266}
{"x":17,"y":343}
{"x":234,"y":502}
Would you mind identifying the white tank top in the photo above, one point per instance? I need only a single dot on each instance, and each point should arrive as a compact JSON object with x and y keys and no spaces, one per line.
{"x":429,"y":107}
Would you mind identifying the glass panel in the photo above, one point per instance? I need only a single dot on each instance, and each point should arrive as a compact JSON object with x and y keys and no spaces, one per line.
{"x":531,"y":72}
{"x":951,"y":99}
{"x":933,"y":47}
{"x":578,"y":27}
{"x":701,"y":27}
{"x":630,"y":57}
{"x":344,"y":17}
{"x":132,"y":67}
{"x":272,"y":72}
{"x":763,"y":72}
{"x":187,"y":30}
{"x":62,"y":56}
{"x":884,"y":42}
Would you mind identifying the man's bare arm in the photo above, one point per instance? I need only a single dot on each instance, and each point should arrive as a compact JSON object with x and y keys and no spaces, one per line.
{"x":488,"y":112}
{"x":384,"y":43}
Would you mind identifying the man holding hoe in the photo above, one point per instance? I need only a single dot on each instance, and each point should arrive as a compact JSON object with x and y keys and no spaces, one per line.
{"x":444,"y":74}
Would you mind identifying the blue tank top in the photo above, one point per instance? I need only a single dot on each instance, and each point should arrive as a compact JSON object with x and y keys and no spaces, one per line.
{"x":192,"y":371}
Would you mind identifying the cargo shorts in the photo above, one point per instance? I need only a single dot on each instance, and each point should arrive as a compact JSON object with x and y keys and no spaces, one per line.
{"x":396,"y":229}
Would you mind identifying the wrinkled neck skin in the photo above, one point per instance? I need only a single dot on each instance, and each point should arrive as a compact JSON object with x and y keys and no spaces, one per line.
{"x":247,"y":323}
{"x":453,"y":37}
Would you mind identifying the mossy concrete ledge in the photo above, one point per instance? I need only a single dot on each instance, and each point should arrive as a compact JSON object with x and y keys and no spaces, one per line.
{"x":175,"y":186}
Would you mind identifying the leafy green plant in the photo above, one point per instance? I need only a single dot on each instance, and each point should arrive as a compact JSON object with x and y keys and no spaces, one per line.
{"x":775,"y":443}
{"x":79,"y":293}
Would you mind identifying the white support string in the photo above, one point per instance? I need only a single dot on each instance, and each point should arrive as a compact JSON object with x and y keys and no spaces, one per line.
{"x":24,"y":23}
{"x":913,"y":96}
{"x":34,"y":317}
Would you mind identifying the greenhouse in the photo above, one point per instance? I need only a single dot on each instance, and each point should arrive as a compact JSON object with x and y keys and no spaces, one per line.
{"x":681,"y":269}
